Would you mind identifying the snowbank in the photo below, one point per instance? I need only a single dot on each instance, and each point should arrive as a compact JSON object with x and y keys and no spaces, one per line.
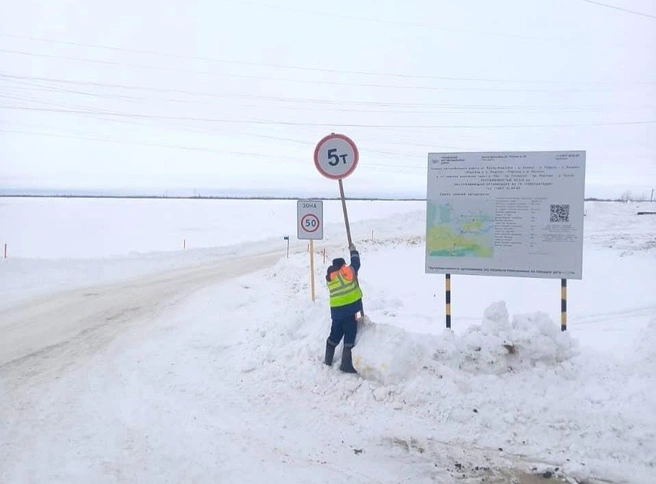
{"x":499,"y":346}
{"x":388,"y":354}
{"x":513,"y":382}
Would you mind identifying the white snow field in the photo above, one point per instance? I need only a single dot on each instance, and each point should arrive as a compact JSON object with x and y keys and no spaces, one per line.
{"x":125,"y":359}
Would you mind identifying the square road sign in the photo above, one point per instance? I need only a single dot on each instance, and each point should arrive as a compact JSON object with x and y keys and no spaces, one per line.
{"x":309,"y":219}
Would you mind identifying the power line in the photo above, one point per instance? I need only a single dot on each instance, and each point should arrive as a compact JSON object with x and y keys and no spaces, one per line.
{"x":278,"y":79}
{"x":290,"y":100}
{"x":304,"y":68}
{"x":621,"y":9}
{"x":281,"y":158}
{"x":385,"y":109}
{"x":329,"y":125}
{"x":416,"y":24}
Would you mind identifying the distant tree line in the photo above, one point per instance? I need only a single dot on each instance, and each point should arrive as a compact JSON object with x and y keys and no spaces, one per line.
{"x":628,"y":196}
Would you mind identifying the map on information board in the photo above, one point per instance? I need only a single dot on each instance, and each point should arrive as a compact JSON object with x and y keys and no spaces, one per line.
{"x":460,"y":229}
{"x":506,"y":213}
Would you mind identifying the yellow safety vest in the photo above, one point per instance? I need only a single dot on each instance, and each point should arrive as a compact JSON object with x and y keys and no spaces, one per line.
{"x":344,"y":288}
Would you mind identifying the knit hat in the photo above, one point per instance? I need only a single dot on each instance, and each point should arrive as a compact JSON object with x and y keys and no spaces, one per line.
{"x":339,"y":262}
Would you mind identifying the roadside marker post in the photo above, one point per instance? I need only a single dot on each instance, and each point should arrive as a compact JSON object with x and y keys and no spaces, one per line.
{"x":336,"y":156}
{"x":309,"y":226}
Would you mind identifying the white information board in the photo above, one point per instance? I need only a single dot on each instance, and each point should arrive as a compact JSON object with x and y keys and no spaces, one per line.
{"x":506,"y":214}
{"x":309,"y":219}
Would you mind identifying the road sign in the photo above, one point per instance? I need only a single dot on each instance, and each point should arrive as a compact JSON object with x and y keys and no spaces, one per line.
{"x":310,"y":219}
{"x":336,"y":156}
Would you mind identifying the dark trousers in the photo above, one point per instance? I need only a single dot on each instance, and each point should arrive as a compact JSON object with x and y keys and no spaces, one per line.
{"x":346,"y":328}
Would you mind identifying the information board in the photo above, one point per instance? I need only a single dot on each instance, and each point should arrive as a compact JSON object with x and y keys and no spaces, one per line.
{"x":506,"y":214}
{"x":309,"y":214}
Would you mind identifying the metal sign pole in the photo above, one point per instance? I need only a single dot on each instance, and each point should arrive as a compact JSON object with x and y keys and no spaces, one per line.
{"x":348,"y":226}
{"x":346,"y":221}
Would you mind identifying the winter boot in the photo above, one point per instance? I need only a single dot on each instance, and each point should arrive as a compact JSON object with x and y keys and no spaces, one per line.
{"x":330,"y":353}
{"x":347,"y":362}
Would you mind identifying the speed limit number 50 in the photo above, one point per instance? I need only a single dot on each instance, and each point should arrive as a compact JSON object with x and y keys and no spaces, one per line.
{"x":336,"y":156}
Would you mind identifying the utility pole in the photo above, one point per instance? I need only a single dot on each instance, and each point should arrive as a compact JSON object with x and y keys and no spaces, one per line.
{"x":652,"y":195}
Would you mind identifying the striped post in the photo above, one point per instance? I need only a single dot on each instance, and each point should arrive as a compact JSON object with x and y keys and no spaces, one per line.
{"x":447,"y":285}
{"x":563,"y":304}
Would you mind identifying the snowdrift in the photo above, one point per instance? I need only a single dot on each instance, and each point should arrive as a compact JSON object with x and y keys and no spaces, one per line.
{"x":389,"y":355}
{"x":511,"y":382}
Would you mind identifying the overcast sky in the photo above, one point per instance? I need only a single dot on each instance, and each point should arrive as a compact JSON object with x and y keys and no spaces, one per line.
{"x":211,"y":94}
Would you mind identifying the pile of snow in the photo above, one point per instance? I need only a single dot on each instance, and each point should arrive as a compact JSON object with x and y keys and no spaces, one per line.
{"x":389,"y":354}
{"x":498,"y":345}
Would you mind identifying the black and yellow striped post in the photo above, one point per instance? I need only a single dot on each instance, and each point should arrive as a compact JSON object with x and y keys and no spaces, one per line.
{"x":563,"y":304}
{"x":447,"y":286}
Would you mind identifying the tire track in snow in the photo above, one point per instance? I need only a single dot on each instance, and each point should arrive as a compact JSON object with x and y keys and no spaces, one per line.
{"x":622,"y":314}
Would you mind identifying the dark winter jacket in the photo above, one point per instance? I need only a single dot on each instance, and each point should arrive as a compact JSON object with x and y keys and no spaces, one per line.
{"x":348,"y":311}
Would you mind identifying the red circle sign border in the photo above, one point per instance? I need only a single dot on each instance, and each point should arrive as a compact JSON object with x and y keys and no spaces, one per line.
{"x":350,"y":142}
{"x":313,"y":216}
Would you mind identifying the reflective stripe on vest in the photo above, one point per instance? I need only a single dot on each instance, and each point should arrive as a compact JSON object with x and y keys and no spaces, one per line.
{"x":342,"y":290}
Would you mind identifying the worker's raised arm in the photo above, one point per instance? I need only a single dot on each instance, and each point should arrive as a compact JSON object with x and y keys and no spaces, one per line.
{"x":355,"y":258}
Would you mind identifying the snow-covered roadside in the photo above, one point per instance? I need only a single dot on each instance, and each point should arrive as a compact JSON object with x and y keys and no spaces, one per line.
{"x":229,"y":384}
{"x":515,"y":383}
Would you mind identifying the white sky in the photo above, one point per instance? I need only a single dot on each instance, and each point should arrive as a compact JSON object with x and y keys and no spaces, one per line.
{"x":213,"y":94}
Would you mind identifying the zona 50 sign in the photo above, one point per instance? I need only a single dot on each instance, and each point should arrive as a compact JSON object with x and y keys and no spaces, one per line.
{"x":309,"y":219}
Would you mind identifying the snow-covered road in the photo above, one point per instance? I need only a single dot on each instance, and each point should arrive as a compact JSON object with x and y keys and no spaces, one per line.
{"x":63,"y":327}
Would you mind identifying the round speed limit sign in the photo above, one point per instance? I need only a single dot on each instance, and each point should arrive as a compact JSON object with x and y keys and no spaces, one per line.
{"x":310,"y":223}
{"x":336,"y":156}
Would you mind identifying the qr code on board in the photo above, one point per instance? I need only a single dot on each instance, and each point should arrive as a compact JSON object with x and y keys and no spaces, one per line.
{"x":559,"y":213}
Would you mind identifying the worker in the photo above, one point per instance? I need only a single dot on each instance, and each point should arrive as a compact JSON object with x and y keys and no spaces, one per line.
{"x":345,"y":303}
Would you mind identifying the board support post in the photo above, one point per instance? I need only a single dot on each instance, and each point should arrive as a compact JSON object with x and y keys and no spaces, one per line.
{"x":447,"y":287}
{"x":563,"y":304}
